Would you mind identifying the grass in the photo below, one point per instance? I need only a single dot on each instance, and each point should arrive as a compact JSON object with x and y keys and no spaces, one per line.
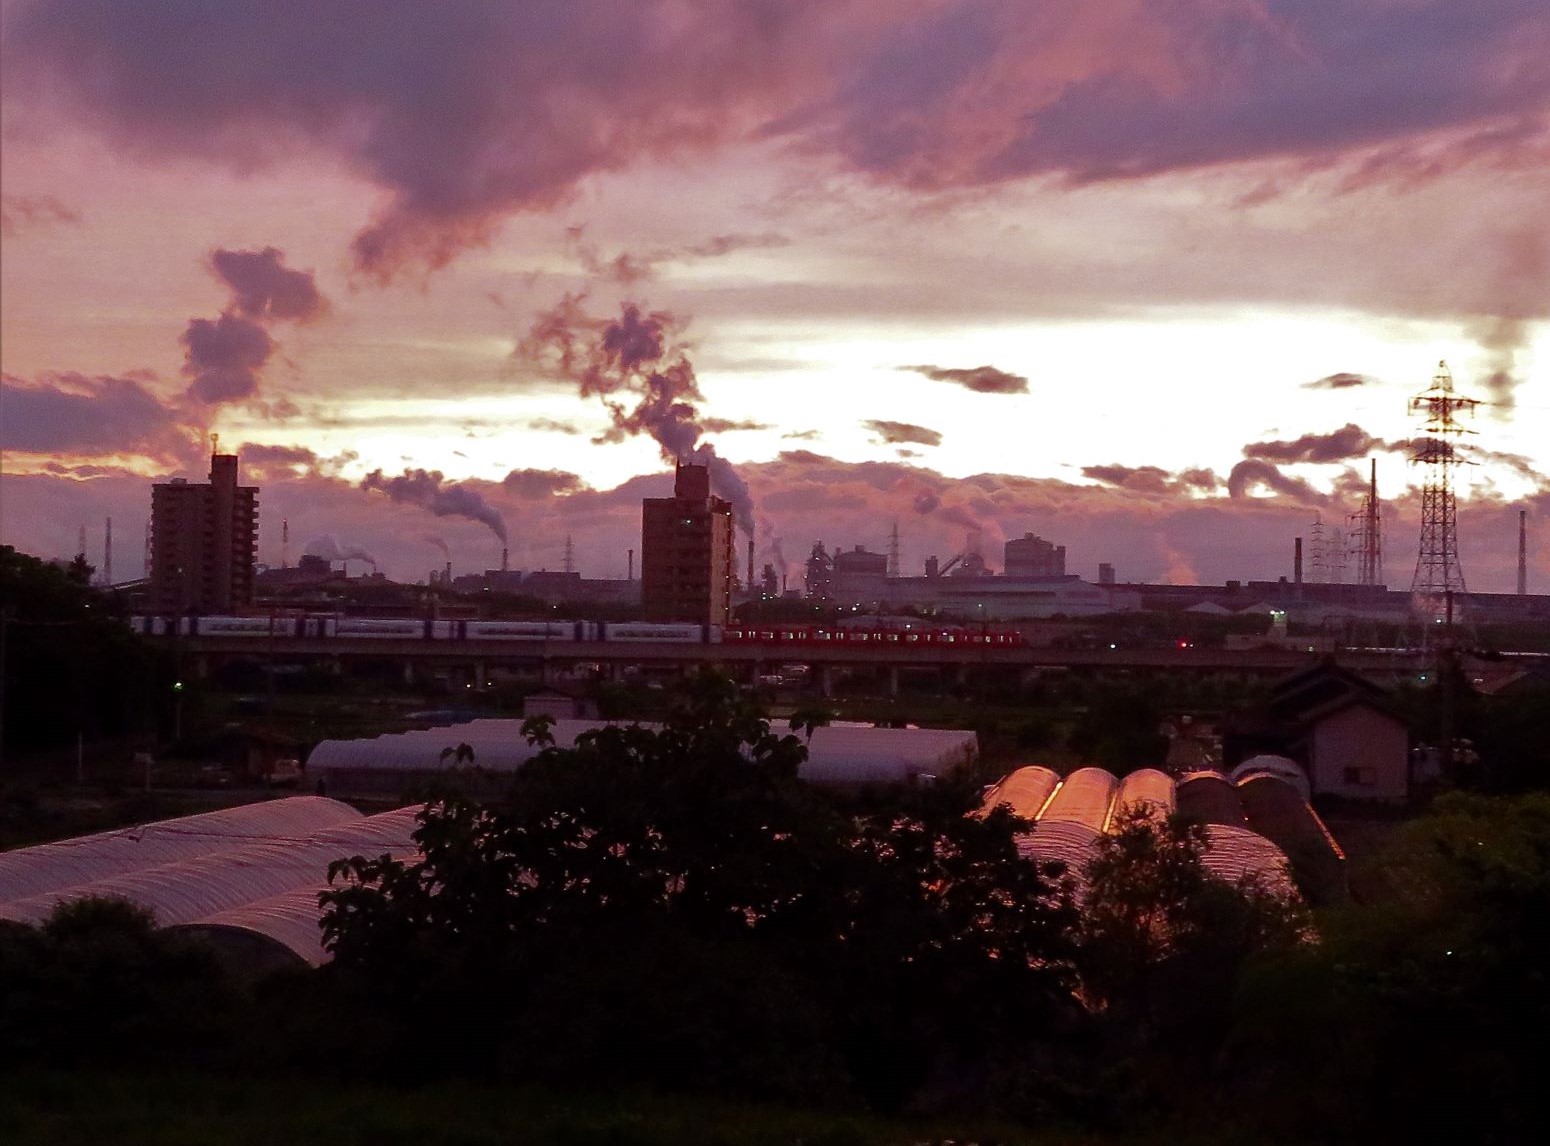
{"x":186,"y":1110}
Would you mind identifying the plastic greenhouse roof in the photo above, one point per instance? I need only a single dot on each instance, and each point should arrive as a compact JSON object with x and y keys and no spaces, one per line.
{"x":1084,"y":798}
{"x":1237,"y":853}
{"x":189,"y":890}
{"x":836,"y":754}
{"x":1146,"y":787}
{"x":1210,"y":798}
{"x":1027,"y":790}
{"x":64,"y":864}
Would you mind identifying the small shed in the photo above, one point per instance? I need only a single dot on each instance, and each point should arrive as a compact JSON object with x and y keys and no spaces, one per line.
{"x":560,"y":702}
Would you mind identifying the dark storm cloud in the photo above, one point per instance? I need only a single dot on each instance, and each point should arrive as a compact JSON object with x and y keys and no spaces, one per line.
{"x":1342,"y":381}
{"x":264,"y":288}
{"x":20,"y":213}
{"x":466,"y":111}
{"x":78,"y":414}
{"x":900,"y":433}
{"x":223,"y":357}
{"x":981,"y":379}
{"x":530,"y":484}
{"x":1350,"y":441}
{"x":431,"y":491}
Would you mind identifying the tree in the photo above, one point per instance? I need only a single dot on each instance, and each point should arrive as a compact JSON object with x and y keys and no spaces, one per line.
{"x":674,"y":905}
{"x":98,"y":984}
{"x":1162,"y":939}
{"x":70,"y":666}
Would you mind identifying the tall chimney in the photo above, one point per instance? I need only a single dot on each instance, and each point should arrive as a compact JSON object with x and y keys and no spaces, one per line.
{"x":446,"y":577}
{"x":749,"y":583}
{"x":285,"y":543}
{"x":1522,"y":552}
{"x":1297,"y":561}
{"x":630,"y":576}
{"x":107,"y":555}
{"x":505,"y":560}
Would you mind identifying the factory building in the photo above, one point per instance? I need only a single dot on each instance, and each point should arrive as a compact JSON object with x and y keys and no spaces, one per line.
{"x":204,"y":538}
{"x":1031,"y":556}
{"x":687,"y":552}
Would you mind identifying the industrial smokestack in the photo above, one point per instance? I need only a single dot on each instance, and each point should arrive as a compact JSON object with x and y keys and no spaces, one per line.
{"x":285,"y":543}
{"x":505,"y":560}
{"x":1297,"y":562}
{"x":446,"y":578}
{"x":107,"y":556}
{"x":1522,"y":552}
{"x":749,"y":583}
{"x":630,"y":576}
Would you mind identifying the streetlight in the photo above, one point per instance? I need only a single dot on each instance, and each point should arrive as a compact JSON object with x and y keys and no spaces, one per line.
{"x":177,"y":710}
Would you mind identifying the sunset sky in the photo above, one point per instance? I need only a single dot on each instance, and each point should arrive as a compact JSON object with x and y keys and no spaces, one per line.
{"x":1152,"y":280}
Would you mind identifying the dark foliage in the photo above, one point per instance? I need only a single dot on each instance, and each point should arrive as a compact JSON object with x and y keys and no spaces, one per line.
{"x":675,"y":907}
{"x":98,"y":985}
{"x":70,"y":666}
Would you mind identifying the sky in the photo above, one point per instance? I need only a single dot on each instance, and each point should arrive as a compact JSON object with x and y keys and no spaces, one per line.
{"x":1151,"y":280}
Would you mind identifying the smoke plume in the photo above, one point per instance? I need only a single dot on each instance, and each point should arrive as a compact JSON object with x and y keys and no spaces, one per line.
{"x":644,"y":380}
{"x":430,"y":490}
{"x":327,"y":547}
{"x":1350,"y":441}
{"x":440,"y":544}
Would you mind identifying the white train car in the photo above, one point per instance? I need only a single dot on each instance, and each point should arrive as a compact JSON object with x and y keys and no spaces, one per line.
{"x":525,"y":630}
{"x":231,"y":626}
{"x":628,"y":632}
{"x":378,"y":628}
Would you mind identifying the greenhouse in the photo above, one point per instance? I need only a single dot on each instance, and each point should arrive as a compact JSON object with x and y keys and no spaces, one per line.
{"x":393,"y":764}
{"x":1256,"y":828}
{"x":57,"y":866}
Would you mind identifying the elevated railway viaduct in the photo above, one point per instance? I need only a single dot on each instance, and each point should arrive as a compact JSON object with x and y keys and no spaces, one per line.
{"x":748,"y":660}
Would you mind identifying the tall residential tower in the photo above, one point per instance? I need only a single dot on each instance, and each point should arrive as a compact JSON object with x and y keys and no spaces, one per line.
{"x":203,"y":541}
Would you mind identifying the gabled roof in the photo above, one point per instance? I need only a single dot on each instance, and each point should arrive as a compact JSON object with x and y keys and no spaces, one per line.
{"x":1314,"y":688}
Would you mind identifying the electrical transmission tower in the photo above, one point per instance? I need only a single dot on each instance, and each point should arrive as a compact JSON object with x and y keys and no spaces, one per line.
{"x":1439,"y":578}
{"x":570,"y":554}
{"x":1329,"y":557}
{"x":1365,"y":528}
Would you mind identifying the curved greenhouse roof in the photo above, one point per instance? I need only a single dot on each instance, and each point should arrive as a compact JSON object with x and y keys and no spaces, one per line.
{"x":64,"y":864}
{"x":836,"y":754}
{"x":1210,"y":798}
{"x":1145,"y":788}
{"x":1027,"y":790}
{"x":188,"y":890}
{"x":1237,"y":854}
{"x":1084,"y":798}
{"x":1281,"y":767}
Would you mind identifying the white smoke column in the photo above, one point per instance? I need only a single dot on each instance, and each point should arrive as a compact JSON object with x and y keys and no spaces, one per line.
{"x":431,"y":491}
{"x":327,"y":547}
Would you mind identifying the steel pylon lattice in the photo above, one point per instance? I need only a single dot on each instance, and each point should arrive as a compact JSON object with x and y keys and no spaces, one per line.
{"x":1438,"y":586}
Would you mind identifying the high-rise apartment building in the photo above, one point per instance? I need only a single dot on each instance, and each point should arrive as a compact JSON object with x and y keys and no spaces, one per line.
{"x":687,"y":548}
{"x":204,"y":538}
